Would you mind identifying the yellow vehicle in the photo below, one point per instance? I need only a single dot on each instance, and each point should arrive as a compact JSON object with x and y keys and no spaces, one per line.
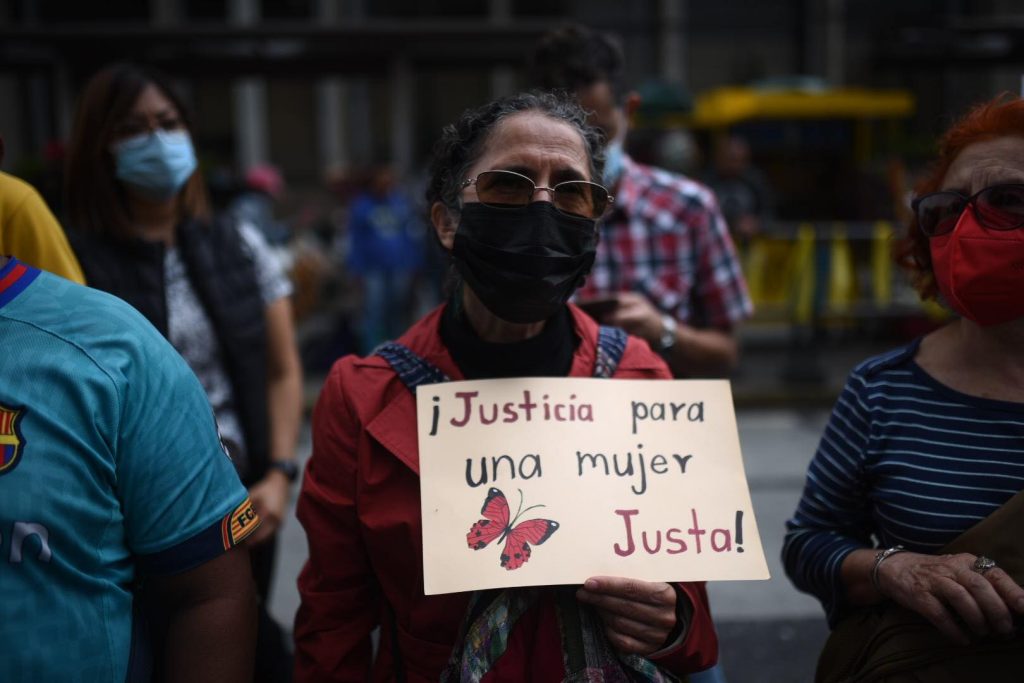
{"x":833,"y":160}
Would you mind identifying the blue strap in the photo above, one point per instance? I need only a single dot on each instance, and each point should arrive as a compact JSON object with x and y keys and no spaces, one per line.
{"x":414,"y":371}
{"x":611,"y":344}
{"x":411,"y":369}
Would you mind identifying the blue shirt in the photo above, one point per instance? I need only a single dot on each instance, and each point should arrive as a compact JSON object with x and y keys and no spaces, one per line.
{"x":110,"y":467}
{"x":904,"y":460}
{"x":384,"y":235}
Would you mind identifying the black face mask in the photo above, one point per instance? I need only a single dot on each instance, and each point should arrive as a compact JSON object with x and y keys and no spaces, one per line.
{"x":524,"y":262}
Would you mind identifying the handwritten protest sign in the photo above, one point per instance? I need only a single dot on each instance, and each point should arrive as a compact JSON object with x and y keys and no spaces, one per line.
{"x":533,"y":481}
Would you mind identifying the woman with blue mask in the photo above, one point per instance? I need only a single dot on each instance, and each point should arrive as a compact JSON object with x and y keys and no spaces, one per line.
{"x":143,"y":230}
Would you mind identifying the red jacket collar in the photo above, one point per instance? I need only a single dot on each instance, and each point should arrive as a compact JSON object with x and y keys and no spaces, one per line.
{"x":395,"y":425}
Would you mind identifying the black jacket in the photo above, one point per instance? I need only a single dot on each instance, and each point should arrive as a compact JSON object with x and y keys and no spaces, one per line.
{"x":224,"y":277}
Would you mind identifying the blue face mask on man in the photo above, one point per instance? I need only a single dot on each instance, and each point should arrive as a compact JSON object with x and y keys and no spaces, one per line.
{"x":613,"y":163}
{"x":156,"y":165}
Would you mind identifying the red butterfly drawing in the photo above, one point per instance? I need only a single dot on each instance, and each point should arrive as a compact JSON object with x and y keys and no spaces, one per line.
{"x":519,"y":536}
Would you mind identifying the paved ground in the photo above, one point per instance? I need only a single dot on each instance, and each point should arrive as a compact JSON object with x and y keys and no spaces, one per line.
{"x":769,"y":632}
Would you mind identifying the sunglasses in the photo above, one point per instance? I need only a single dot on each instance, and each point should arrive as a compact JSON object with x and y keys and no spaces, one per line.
{"x":508,"y":189}
{"x":997,"y":207}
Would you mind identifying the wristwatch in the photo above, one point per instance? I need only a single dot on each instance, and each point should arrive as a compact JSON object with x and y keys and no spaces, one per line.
{"x":286,"y":467}
{"x":668,"y":333}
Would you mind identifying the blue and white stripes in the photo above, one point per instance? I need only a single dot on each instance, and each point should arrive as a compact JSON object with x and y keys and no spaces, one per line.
{"x":903,"y":460}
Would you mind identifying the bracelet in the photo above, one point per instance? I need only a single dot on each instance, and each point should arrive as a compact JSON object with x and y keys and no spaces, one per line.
{"x":880,"y":558}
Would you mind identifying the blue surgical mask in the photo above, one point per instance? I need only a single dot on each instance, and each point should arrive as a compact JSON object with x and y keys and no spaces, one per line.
{"x":614,"y":161}
{"x":156,"y":165}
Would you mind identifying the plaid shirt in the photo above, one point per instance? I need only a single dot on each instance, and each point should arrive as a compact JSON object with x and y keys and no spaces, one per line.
{"x":665,"y":238}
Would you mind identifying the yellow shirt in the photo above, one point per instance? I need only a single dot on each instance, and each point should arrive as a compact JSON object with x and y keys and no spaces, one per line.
{"x":29,"y":231}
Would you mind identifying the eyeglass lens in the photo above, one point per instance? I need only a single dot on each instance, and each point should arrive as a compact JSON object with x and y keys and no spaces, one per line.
{"x":999,"y":207}
{"x":505,"y":189}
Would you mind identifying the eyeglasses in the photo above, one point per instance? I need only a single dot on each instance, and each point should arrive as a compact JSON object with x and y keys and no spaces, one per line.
{"x":508,"y":190}
{"x":997,"y":207}
{"x":135,"y":127}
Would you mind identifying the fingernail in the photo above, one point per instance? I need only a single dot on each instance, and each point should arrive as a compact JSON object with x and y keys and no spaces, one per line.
{"x":590,"y":585}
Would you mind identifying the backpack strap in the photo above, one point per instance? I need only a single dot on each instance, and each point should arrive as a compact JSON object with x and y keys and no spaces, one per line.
{"x":410,"y":368}
{"x":611,"y":344}
{"x":414,"y":371}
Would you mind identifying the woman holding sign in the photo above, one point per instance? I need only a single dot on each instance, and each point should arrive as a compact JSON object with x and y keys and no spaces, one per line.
{"x":914,"y":502}
{"x":514,"y":203}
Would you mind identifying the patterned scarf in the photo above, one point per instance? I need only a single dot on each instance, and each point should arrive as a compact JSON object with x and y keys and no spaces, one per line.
{"x":586,"y":654}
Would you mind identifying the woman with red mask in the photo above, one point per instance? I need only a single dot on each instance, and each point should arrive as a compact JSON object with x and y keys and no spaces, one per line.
{"x":909,"y":526}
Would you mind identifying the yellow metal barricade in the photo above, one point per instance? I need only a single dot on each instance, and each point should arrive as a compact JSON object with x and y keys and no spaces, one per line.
{"x":842,"y":278}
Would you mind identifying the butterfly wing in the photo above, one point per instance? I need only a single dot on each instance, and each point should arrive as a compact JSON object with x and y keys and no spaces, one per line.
{"x":517,"y":547}
{"x":494,"y":523}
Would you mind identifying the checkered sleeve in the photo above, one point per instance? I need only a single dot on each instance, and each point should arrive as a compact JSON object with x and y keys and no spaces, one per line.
{"x":720,"y":294}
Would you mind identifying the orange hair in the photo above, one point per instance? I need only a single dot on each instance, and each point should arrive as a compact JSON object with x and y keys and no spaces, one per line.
{"x":1002,"y":116}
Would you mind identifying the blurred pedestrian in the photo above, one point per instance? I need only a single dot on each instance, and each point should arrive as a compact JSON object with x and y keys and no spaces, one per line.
{"x":666,"y":269}
{"x":385,"y":251}
{"x":513,"y":200}
{"x":909,"y":526}
{"x":29,"y":230}
{"x":742,"y":190}
{"x":114,"y":487}
{"x":254,"y":205}
{"x":142,"y":231}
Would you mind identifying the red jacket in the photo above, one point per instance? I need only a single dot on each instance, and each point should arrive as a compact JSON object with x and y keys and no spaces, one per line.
{"x":360,"y":507}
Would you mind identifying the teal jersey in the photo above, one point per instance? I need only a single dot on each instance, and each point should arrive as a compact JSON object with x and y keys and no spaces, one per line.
{"x":110,"y":469}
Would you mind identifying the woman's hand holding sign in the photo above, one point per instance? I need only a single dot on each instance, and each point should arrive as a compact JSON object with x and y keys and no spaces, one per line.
{"x":638,"y":616}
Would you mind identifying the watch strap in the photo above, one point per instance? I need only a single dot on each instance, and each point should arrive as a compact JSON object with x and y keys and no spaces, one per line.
{"x":286,"y":467}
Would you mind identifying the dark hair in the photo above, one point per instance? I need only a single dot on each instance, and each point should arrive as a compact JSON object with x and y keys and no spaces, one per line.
{"x":462,"y":142}
{"x":574,"y":57}
{"x":1002,"y":116}
{"x":95,"y":200}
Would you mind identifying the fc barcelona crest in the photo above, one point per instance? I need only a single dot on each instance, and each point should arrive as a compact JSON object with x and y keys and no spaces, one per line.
{"x":12,"y":443}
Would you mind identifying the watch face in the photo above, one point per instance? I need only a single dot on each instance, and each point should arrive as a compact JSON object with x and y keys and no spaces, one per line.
{"x":668,"y":334}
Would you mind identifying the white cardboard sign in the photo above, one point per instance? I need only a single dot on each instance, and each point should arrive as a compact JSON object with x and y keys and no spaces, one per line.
{"x":538,"y":481}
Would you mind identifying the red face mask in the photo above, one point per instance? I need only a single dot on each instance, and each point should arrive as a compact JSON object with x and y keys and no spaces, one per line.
{"x":979,"y":271}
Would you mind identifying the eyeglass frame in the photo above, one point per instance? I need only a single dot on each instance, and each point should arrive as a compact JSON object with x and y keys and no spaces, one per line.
{"x":970,"y":202}
{"x":551,"y":191}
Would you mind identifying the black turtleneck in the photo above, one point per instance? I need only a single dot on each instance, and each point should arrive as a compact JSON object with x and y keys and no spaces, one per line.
{"x":548,"y":354}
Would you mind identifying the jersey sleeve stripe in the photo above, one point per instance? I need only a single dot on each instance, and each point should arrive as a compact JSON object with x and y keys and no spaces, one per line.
{"x":209,"y":543}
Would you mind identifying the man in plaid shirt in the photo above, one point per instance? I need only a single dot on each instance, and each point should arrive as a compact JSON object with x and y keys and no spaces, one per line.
{"x":666,"y":269}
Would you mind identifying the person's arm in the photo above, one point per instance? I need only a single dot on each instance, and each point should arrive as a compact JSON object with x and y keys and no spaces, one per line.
{"x":185,"y":511}
{"x":827,"y":550}
{"x":707,"y":352}
{"x":340,"y":598}
{"x":944,"y":589}
{"x":704,"y":352}
{"x":833,"y":518}
{"x":284,"y":394}
{"x":211,"y":629}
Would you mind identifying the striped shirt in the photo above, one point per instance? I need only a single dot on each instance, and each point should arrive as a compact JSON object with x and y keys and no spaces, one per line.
{"x":666,"y":239}
{"x":904,"y":460}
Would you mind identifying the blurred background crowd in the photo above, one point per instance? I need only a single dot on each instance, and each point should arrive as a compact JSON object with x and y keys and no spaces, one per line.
{"x":314,"y":119}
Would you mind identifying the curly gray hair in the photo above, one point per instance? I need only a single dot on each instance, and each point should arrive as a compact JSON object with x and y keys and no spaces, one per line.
{"x":462,"y":142}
